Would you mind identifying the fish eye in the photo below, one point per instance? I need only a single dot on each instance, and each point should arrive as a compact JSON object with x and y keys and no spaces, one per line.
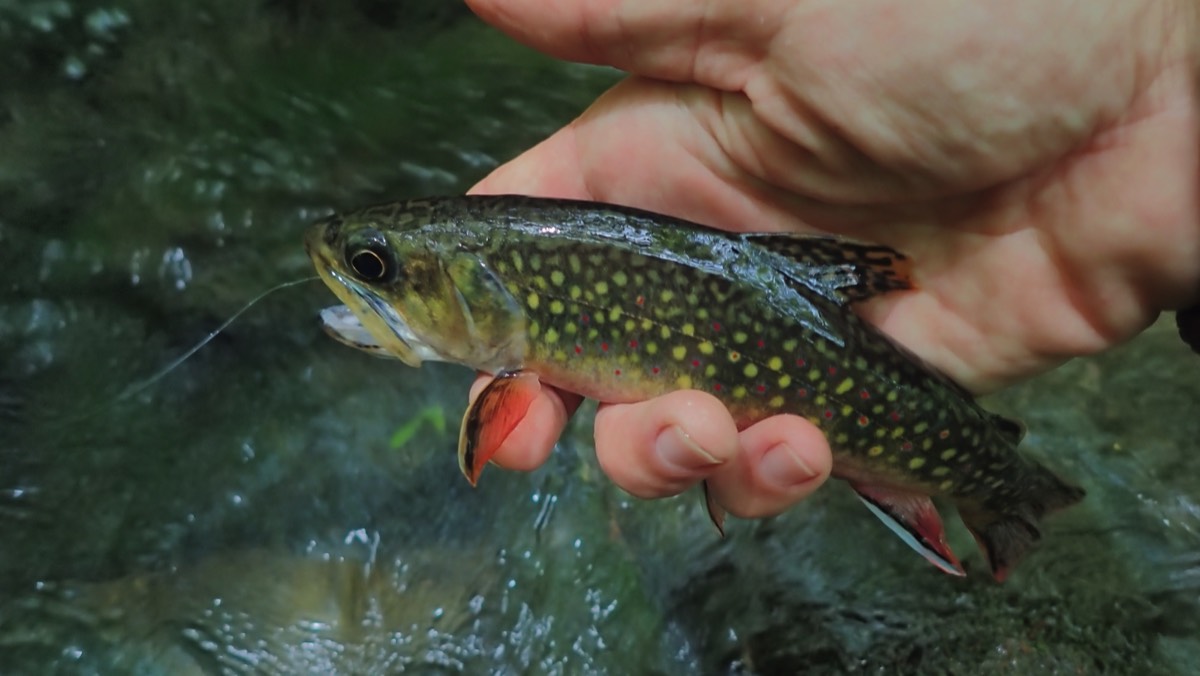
{"x":368,"y":264}
{"x":371,"y":260}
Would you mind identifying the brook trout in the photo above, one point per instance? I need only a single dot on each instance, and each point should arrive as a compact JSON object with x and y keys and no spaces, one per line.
{"x":621,"y":305}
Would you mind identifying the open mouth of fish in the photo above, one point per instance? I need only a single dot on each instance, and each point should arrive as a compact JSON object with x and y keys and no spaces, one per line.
{"x":346,"y":326}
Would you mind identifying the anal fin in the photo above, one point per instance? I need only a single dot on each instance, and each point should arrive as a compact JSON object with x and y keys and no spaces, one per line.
{"x":915,"y":520}
{"x":493,"y":415}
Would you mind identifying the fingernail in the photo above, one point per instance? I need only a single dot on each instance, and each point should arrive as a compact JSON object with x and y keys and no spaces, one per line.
{"x":784,"y":467}
{"x":677,"y":449}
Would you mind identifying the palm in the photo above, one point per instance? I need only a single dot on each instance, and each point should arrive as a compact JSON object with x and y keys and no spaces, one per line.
{"x":1049,"y":212}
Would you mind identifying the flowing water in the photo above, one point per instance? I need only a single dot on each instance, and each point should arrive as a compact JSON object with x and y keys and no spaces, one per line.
{"x":282,"y":504}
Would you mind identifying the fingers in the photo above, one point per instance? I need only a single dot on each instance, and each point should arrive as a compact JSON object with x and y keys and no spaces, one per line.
{"x":532,"y":440}
{"x":782,"y":460}
{"x":666,"y":445}
{"x":663,"y":446}
{"x":711,"y":43}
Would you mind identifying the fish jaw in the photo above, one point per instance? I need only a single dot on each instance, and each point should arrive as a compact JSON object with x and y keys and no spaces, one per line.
{"x":376,"y":318}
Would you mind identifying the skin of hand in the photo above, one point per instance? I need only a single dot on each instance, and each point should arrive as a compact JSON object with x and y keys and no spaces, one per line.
{"x":1037,"y":159}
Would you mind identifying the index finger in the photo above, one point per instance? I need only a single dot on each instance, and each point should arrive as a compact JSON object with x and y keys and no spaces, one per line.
{"x":712,"y":43}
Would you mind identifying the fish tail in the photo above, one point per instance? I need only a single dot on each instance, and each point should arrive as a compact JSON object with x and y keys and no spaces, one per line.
{"x":1006,"y":535}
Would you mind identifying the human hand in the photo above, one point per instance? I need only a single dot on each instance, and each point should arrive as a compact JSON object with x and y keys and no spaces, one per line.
{"x":1037,"y":160}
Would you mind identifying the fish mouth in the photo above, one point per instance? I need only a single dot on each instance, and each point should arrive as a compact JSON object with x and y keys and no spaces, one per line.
{"x":369,"y":323}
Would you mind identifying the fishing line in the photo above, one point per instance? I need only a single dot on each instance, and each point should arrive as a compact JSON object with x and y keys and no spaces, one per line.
{"x":141,"y":385}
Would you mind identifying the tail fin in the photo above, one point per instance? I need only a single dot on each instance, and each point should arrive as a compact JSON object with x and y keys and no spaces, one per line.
{"x":1007,"y":532}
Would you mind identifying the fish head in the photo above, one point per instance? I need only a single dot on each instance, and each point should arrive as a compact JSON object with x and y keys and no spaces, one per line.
{"x":415,"y":291}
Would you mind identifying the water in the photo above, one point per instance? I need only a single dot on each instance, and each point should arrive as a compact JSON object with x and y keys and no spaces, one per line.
{"x":282,"y":504}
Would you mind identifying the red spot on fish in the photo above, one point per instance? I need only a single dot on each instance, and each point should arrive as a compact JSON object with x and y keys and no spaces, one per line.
{"x":695,"y":362}
{"x":578,"y":349}
{"x":584,"y":318}
{"x":655,"y":370}
{"x":617,"y":372}
{"x":863,"y":421}
{"x":894,"y":416}
{"x":864,"y":394}
{"x":641,"y":300}
{"x":803,"y":392}
{"x":800,"y":362}
{"x":761,"y":389}
{"x":832,"y":370}
{"x":906,"y":446}
{"x":716,"y":387}
{"x":716,"y":326}
{"x":604,"y":347}
{"x":943,"y":434}
{"x":761,"y":343}
{"x":828,"y":414}
{"x":633,"y":344}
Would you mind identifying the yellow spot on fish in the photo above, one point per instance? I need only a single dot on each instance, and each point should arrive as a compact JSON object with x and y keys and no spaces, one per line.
{"x":880,"y":432}
{"x":710,"y":370}
{"x":920,"y":428}
{"x":814,"y":375}
{"x":570,"y":329}
{"x":897,"y":431}
{"x":667,"y":295}
{"x":540,"y":282}
{"x":926,"y":444}
{"x":684,"y":382}
{"x":739,"y":392}
{"x":575,"y":292}
{"x":551,"y":336}
{"x":790,"y":344}
{"x":916,"y":463}
{"x":785,"y":380}
{"x":687,"y":330}
{"x":841,"y":439}
{"x":774,"y":363}
{"x":573,"y":262}
{"x":740,"y":337}
{"x":860,"y":363}
{"x":940,"y":471}
{"x":533,"y":300}
{"x":614,"y":314}
{"x":534,"y":329}
{"x":946,"y":485}
{"x":891,"y":396}
{"x":845,"y":386}
{"x":875,"y":451}
{"x":735,"y":356}
{"x":647,"y":324}
{"x":820,"y":400}
{"x":949,"y":453}
{"x":847,"y":410}
{"x":518,"y":262}
{"x":556,"y":306}
{"x":665,"y":332}
{"x":705,"y":347}
{"x":652,"y":348}
{"x":751,"y":370}
{"x":535,"y":262}
{"x":601,"y":287}
{"x":679,"y":352}
{"x":702,"y":313}
{"x":560,"y":355}
{"x":776,"y":402}
{"x":630,"y":325}
{"x":557,"y":277}
{"x":619,"y":278}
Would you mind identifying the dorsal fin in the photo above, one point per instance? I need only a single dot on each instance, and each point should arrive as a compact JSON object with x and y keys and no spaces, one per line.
{"x":844,"y":270}
{"x":1012,"y":430}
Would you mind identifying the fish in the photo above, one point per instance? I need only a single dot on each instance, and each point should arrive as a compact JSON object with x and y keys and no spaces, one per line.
{"x":619,"y":304}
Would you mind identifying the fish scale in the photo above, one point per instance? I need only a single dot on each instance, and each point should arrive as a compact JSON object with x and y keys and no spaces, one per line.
{"x":622,"y":305}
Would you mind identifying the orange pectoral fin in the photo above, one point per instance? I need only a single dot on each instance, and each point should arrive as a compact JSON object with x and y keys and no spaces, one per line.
{"x":493,"y":415}
{"x":913,"y":517}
